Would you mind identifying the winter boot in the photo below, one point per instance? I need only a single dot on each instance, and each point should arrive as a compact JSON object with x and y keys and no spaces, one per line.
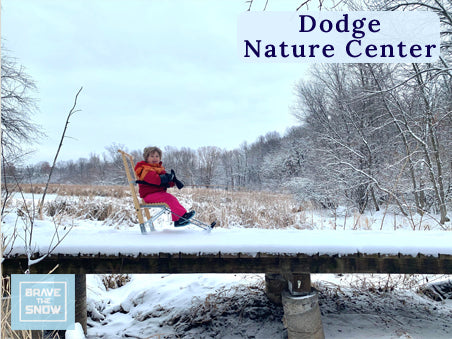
{"x":185,"y":219}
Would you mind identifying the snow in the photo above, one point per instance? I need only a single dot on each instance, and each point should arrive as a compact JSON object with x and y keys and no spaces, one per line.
{"x":84,"y":238}
{"x":234,"y":305}
{"x":152,"y":304}
{"x":76,"y":333}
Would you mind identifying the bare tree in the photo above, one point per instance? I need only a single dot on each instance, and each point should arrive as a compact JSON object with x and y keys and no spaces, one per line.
{"x":17,"y":128}
{"x":18,"y":106}
{"x":114,"y":164}
{"x":298,"y":4}
{"x":376,"y":126}
{"x":184,"y":161}
{"x":209,"y":160}
{"x":344,"y":123}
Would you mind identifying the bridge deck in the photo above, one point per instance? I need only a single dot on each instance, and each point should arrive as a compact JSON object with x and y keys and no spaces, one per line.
{"x":243,"y":251}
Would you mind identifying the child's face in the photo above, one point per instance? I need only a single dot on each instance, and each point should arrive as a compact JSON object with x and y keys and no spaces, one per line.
{"x":153,"y":158}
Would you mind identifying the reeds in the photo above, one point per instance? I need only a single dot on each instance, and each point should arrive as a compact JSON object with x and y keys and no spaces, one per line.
{"x":113,"y":205}
{"x":6,"y":331}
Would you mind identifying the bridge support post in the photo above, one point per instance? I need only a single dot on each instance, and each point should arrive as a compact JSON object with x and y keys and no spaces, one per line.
{"x":275,"y":284}
{"x":36,"y":334}
{"x":80,"y":300}
{"x":301,"y":308}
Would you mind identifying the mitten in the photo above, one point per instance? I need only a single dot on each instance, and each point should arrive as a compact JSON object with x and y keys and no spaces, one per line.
{"x":179,"y":184}
{"x":165,"y":179}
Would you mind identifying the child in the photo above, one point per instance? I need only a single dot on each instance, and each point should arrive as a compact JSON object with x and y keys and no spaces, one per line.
{"x":153,"y":182}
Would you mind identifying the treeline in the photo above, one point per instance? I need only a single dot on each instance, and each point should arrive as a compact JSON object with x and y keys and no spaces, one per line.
{"x":250,"y":166}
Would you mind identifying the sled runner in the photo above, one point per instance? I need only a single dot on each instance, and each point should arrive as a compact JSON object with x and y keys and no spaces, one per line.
{"x":197,"y":222}
{"x":143,"y":209}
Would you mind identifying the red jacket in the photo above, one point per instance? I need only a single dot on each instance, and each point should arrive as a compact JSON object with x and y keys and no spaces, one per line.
{"x":151,"y":174}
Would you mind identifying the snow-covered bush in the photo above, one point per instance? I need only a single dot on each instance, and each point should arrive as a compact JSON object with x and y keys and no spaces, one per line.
{"x":112,"y":281}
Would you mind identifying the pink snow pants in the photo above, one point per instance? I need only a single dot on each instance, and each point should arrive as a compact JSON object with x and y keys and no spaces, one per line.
{"x":168,"y":199}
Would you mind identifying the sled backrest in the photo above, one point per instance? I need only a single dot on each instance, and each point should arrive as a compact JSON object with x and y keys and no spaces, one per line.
{"x":129,"y":166}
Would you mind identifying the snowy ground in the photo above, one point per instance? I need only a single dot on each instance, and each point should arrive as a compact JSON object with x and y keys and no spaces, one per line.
{"x":235,"y":306}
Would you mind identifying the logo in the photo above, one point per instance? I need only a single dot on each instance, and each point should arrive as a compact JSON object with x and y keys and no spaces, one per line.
{"x":339,"y":37}
{"x":42,"y":301}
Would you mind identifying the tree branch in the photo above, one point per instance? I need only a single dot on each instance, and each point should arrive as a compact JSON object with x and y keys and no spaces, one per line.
{"x":71,"y":112}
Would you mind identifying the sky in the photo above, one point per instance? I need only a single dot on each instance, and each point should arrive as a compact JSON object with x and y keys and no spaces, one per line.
{"x":164,"y":73}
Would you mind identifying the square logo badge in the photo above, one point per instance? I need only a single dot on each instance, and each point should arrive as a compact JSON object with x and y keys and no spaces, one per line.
{"x":42,"y":301}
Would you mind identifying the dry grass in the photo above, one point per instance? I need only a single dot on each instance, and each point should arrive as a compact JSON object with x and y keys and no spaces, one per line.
{"x":113,"y":205}
{"x":80,"y":190}
{"x":244,"y":301}
{"x":6,"y":331}
{"x":378,"y":284}
{"x":241,"y":208}
{"x":112,"y":281}
{"x":112,"y":210}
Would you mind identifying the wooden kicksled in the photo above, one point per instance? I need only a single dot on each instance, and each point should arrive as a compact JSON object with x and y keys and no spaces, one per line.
{"x":142,"y":209}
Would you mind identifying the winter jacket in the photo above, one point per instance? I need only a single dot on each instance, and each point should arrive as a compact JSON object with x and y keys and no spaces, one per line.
{"x":151,"y":174}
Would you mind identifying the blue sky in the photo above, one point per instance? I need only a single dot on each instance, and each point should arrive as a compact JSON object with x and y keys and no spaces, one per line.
{"x":163,"y":73}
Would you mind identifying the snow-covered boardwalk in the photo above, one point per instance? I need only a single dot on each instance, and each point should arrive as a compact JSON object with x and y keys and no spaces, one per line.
{"x":243,"y":250}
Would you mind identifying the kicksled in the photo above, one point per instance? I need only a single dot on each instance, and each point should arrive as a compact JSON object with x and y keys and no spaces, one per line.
{"x":143,"y":210}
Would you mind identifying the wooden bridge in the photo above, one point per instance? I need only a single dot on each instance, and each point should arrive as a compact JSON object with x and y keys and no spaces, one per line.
{"x":242,"y":251}
{"x":292,"y":255}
